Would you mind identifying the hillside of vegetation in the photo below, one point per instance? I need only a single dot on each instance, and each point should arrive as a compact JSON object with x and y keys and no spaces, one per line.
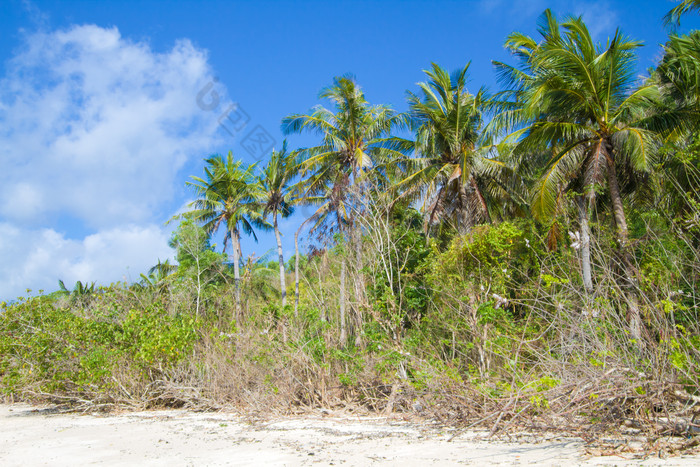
{"x":528,"y":258}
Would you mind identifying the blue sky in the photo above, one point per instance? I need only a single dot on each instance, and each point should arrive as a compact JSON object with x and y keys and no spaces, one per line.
{"x":106,"y":108}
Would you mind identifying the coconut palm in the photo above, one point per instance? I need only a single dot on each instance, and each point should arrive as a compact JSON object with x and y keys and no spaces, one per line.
{"x":351,"y":145}
{"x":162,"y":269}
{"x":278,"y":199}
{"x":678,"y":78}
{"x":351,"y":136}
{"x":79,"y":291}
{"x":158,"y":275}
{"x":673,"y":17}
{"x":579,"y":99}
{"x":455,"y":163}
{"x":229,"y":196}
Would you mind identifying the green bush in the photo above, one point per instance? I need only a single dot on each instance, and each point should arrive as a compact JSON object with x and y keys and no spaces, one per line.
{"x":49,"y":348}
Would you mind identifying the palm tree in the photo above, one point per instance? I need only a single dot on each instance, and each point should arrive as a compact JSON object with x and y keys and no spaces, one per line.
{"x":673,"y":17}
{"x":578,"y":98}
{"x":162,"y":269}
{"x":351,"y":136}
{"x":351,"y":145}
{"x":79,"y":292}
{"x":258,"y":276}
{"x":277,"y":198}
{"x":228,"y":195}
{"x":678,"y":79}
{"x":454,"y":163}
{"x":158,"y":275}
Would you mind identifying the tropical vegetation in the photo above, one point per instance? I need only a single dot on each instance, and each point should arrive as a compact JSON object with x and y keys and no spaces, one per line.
{"x":526,"y":255}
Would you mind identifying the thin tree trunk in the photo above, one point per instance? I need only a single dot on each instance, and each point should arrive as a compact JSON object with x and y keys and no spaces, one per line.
{"x":342,"y":299}
{"x":634,"y":317}
{"x":357,"y":194}
{"x":585,"y":244}
{"x":633,"y":314}
{"x":618,"y":207}
{"x":283,"y":282}
{"x":343,"y":325}
{"x":199,"y":284}
{"x":296,"y":266}
{"x":359,"y":286}
{"x":236,"y":271}
{"x":296,"y":272}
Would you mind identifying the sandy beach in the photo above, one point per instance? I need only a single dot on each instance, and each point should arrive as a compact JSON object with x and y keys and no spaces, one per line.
{"x":40,"y":436}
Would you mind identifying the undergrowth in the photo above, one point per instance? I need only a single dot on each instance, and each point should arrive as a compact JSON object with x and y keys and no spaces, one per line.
{"x":502,"y":337}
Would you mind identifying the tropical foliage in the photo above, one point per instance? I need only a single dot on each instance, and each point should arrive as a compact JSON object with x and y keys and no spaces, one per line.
{"x":685,"y":6}
{"x":278,"y":199}
{"x":527,"y":252}
{"x":335,"y":171}
{"x":228,"y":196}
{"x":454,"y":159}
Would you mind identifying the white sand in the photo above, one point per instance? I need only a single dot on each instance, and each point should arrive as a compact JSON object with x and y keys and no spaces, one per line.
{"x":34,"y":436}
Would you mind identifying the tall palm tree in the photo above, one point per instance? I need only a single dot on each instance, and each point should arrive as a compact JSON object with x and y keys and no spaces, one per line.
{"x":455,"y":162}
{"x":351,"y":144}
{"x":229,"y":196}
{"x":278,"y":199}
{"x":579,"y":99}
{"x":351,"y":136}
{"x":678,"y":79}
{"x":673,"y":17}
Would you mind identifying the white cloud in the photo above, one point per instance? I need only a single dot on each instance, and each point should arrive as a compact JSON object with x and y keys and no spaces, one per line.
{"x":36,"y":259}
{"x":94,"y":129}
{"x":97,"y":126}
{"x":22,"y":200}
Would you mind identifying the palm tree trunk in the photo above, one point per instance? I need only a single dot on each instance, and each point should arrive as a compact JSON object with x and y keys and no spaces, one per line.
{"x":296,"y":272}
{"x":633,"y":315}
{"x":235,"y":241}
{"x":359,"y":286}
{"x":464,"y":225}
{"x":356,"y":243}
{"x":343,"y":325}
{"x":283,"y":282}
{"x":482,"y":201}
{"x":618,"y":207}
{"x":585,"y":244}
{"x":199,"y":284}
{"x":342,"y":299}
{"x":296,"y":266}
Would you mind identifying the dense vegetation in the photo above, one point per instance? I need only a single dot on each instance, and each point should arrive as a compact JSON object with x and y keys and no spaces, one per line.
{"x":528,"y":254}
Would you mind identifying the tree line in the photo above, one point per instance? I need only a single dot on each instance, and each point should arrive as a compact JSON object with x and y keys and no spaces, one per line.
{"x":526,"y":257}
{"x":571,"y":128}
